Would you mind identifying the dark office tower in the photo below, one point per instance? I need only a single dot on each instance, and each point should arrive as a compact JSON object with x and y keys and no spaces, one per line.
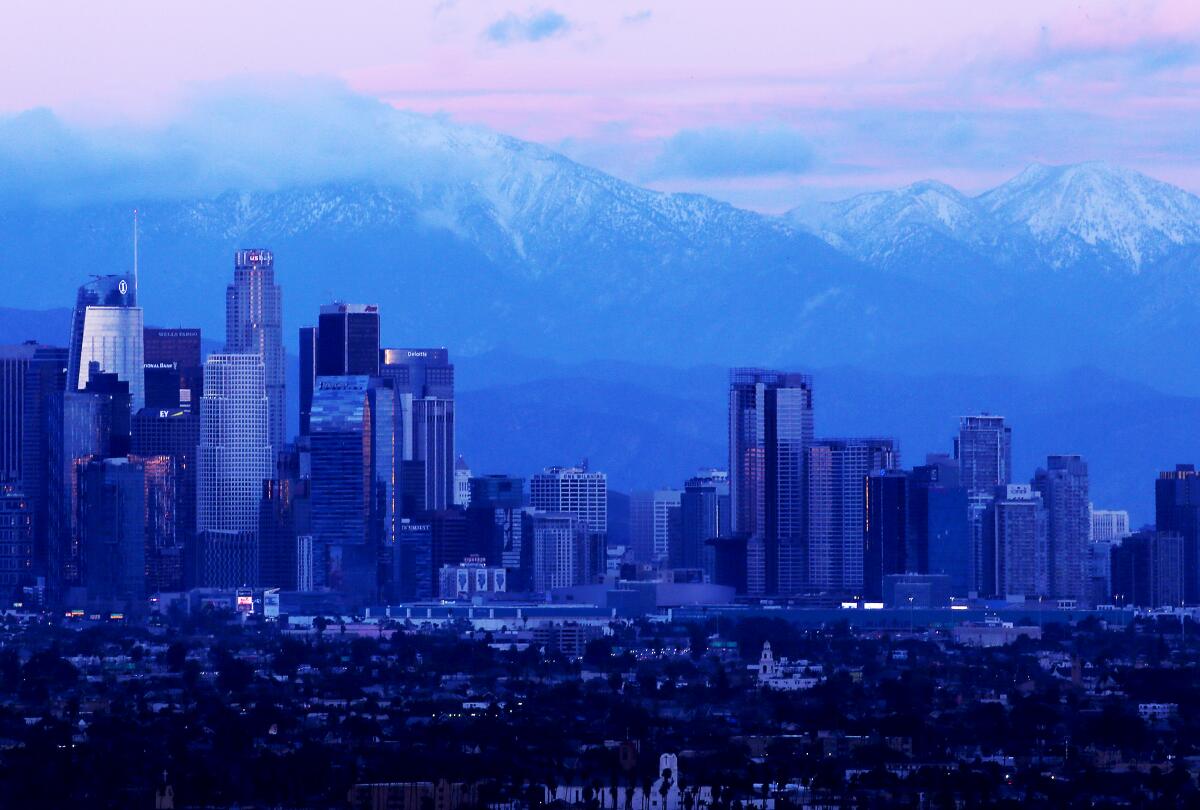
{"x":423,"y":381}
{"x":1064,"y":489}
{"x":348,"y":340}
{"x":353,"y":518}
{"x":704,"y":515}
{"x":14,"y":377}
{"x":174,"y":434}
{"x":433,"y":444}
{"x":308,"y":374}
{"x":410,"y":480}
{"x":412,"y":577}
{"x":44,"y":379}
{"x":342,"y":474}
{"x":29,"y":374}
{"x":1177,"y":510}
{"x":106,"y":331}
{"x":451,"y":537}
{"x":163,"y":546}
{"x":770,"y":430}
{"x":1016,"y":525}
{"x":983,"y":448}
{"x":16,"y":544}
{"x":80,"y":424}
{"x":837,"y":488}
{"x":283,"y":519}
{"x":886,"y":532}
{"x":174,"y":374}
{"x":1148,"y":570}
{"x":112,"y":509}
{"x":253,"y":318}
{"x":494,"y":521}
{"x":939,"y":532}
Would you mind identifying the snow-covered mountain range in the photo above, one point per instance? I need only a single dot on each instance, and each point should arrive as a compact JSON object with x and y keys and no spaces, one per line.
{"x":478,"y":241}
{"x":1089,"y":216}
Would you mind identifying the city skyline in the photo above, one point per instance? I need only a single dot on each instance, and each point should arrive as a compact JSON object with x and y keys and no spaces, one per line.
{"x":623,"y":406}
{"x":801,"y":515}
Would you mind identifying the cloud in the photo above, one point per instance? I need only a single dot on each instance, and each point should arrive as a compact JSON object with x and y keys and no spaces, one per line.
{"x":533,"y":27}
{"x":242,"y":136}
{"x":637,"y":18}
{"x":723,"y":152}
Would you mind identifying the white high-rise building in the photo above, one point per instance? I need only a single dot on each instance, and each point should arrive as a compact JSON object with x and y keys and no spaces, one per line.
{"x":580,"y":492}
{"x":1109,"y":525}
{"x":574,"y":490}
{"x":235,"y":456}
{"x":106,"y":329}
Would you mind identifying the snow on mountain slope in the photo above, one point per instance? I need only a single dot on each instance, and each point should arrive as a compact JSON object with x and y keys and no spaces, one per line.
{"x":874,"y":226}
{"x":1086,"y":216}
{"x":1095,"y":208}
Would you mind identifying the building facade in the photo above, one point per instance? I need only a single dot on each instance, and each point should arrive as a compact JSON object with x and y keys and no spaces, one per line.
{"x":1177,"y":511}
{"x":253,"y":325}
{"x":175,"y":434}
{"x":1019,"y":533}
{"x":704,"y":519}
{"x":581,"y":492}
{"x":107,"y":335}
{"x":651,"y":516}
{"x":234,"y":457}
{"x":1065,"y":494}
{"x":1110,"y":525}
{"x":837,"y":508}
{"x":173,"y":368}
{"x":348,"y":340}
{"x":983,"y":448}
{"x":770,"y":430}
{"x":423,"y":381}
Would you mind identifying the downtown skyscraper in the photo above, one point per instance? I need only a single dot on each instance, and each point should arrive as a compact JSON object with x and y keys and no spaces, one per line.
{"x":838,"y":471}
{"x":983,"y":448}
{"x":235,"y":456}
{"x":770,"y":431}
{"x":581,"y":492}
{"x":1177,"y":511}
{"x":253,"y":325}
{"x":423,"y":381}
{"x":348,"y":340}
{"x":345,"y":342}
{"x":174,"y":373}
{"x":1065,"y":494}
{"x":107,"y":335}
{"x":353,"y":471}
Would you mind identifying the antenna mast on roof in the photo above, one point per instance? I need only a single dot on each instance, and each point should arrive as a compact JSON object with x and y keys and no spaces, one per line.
{"x":135,"y":256}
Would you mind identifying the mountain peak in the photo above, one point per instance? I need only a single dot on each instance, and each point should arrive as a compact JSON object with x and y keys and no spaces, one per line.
{"x":1096,"y":212}
{"x":1094,"y":215}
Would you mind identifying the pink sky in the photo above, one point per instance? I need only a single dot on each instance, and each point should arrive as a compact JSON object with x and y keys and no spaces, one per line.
{"x":880,"y":92}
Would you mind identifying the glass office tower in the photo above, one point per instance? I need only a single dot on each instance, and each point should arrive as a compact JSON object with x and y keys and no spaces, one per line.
{"x":770,"y":430}
{"x":107,"y":334}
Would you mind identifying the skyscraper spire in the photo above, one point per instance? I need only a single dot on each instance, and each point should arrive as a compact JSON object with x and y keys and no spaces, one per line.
{"x":135,"y":255}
